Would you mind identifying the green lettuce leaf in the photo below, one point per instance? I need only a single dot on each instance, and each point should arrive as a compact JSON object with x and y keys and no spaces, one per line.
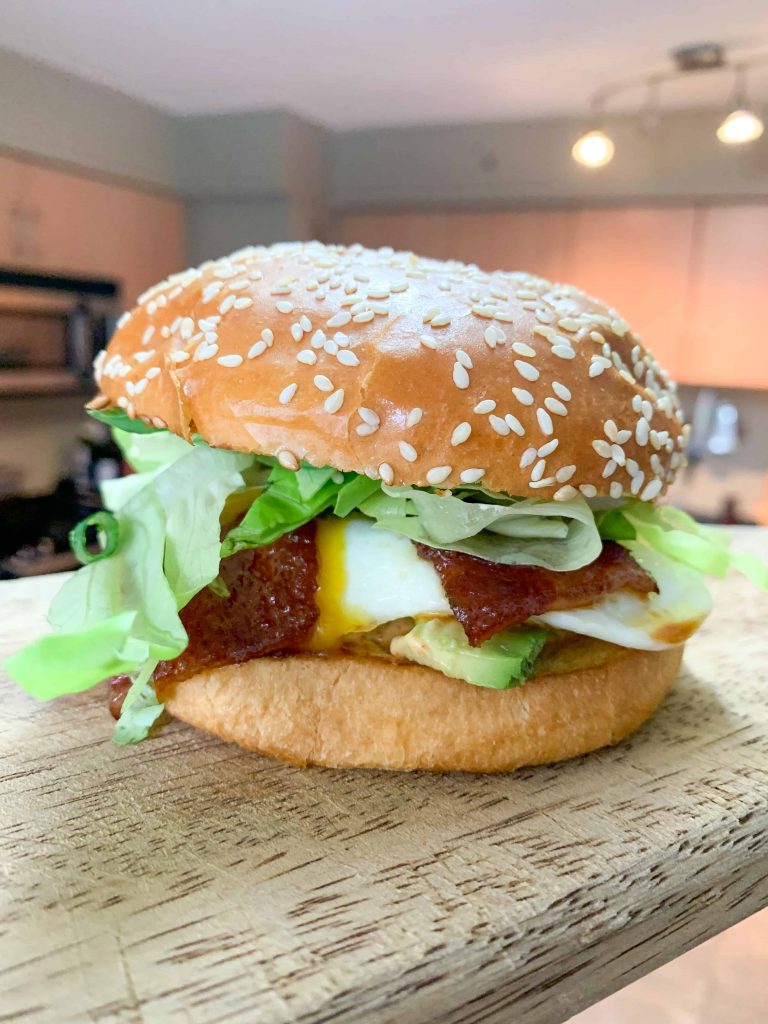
{"x":140,"y":710}
{"x":116,"y":614}
{"x":119,"y":419}
{"x":560,"y":535}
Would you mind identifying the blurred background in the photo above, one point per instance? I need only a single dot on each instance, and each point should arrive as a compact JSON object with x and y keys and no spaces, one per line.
{"x":616,"y":149}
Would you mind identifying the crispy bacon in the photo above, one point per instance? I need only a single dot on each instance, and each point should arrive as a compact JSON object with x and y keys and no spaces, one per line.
{"x":487,"y":597}
{"x":271,"y":609}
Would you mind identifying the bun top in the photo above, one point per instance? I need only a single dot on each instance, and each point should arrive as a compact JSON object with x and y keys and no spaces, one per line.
{"x":414,"y":370}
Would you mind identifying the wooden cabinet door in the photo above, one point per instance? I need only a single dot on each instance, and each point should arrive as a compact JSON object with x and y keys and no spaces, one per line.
{"x":96,"y":228}
{"x":726,"y":344}
{"x":638,"y":260}
{"x":532,"y":240}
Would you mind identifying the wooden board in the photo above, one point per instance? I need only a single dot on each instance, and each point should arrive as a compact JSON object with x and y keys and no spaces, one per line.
{"x":185,"y":880}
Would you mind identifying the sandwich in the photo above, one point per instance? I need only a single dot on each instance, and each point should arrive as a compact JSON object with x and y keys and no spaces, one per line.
{"x":385,"y":511}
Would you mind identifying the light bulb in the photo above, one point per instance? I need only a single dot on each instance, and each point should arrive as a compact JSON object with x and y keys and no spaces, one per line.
{"x":593,"y":149}
{"x":740,"y":126}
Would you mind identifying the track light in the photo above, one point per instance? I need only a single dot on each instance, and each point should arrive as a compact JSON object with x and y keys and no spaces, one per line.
{"x":742,"y":124}
{"x":593,"y":149}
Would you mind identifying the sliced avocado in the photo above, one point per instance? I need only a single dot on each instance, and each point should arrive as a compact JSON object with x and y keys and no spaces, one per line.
{"x":505,"y":660}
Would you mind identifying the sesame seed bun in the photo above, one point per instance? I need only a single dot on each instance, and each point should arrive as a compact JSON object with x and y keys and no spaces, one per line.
{"x":413,"y":370}
{"x":363,"y":712}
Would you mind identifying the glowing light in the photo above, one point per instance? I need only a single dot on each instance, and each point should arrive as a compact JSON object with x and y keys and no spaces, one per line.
{"x":739,"y":127}
{"x":593,"y":149}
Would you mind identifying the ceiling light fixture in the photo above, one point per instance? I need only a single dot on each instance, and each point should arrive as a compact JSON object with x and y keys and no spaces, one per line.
{"x":595,"y":148}
{"x":742,"y":124}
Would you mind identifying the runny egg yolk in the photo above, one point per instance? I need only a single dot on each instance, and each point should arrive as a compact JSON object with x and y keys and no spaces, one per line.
{"x":337,"y":618}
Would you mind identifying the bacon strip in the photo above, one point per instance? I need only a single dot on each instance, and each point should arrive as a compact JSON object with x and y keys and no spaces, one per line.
{"x":487,"y":597}
{"x":271,"y":609}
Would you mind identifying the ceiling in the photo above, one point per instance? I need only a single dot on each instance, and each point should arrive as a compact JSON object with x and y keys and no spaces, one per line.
{"x":348,"y":63}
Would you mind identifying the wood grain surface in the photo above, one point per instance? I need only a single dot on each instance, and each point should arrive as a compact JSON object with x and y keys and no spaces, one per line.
{"x":186,"y":880}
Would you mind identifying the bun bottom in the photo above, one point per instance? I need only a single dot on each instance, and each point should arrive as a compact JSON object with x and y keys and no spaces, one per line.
{"x":365,"y":712}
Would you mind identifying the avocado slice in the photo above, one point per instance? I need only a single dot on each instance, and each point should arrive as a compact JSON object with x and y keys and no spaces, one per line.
{"x":505,"y":660}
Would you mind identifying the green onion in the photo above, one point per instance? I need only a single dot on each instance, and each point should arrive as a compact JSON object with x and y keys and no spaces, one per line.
{"x":107,"y":535}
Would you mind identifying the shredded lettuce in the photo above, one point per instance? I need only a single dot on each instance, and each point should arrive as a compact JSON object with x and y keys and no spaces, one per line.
{"x":560,"y":535}
{"x":140,"y":710}
{"x":119,"y":614}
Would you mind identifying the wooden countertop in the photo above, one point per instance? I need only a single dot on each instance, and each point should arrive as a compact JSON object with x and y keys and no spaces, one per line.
{"x":186,"y":880}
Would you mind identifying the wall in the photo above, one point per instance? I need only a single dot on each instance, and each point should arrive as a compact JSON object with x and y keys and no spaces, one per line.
{"x":60,"y":118}
{"x":530,"y":163}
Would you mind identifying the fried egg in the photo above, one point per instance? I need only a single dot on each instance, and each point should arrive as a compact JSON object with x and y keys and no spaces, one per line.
{"x":368,"y":576}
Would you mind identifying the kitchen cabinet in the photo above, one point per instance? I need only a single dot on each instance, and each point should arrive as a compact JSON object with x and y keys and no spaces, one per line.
{"x":725,"y":344}
{"x":534,"y":240}
{"x":638,"y":259}
{"x":63,"y":222}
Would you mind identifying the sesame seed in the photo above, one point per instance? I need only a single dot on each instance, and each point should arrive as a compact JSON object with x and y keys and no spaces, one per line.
{"x":267,"y":336}
{"x":441,"y":320}
{"x":561,"y":391}
{"x":147,"y":335}
{"x":460,"y":376}
{"x":211,"y":291}
{"x":342,"y":340}
{"x":463,"y":358}
{"x":515,"y":425}
{"x":564,"y":474}
{"x":318,"y":339}
{"x":429,"y":314}
{"x":340,"y":319}
{"x":400,"y":286}
{"x":306,"y":324}
{"x":616,"y":489}
{"x":414,"y":417}
{"x":231,"y":361}
{"x":460,"y":434}
{"x":204,"y":351}
{"x":565,"y":493}
{"x":506,"y":318}
{"x":281,"y":289}
{"x":438,"y":474}
{"x":487,"y":312}
{"x":187,"y":328}
{"x":610,"y":430}
{"x":548,"y":481}
{"x":499,"y":425}
{"x":179,"y":357}
{"x":471,"y":476}
{"x":387,"y":473}
{"x":523,"y":396}
{"x":523,"y":350}
{"x":227,"y":304}
{"x":335,"y":401}
{"x":637,"y":403}
{"x":284,"y":306}
{"x":307,"y":356}
{"x":143,"y":357}
{"x":159,"y":423}
{"x":347,"y":358}
{"x":632,"y":467}
{"x":548,"y":448}
{"x":130,"y":387}
{"x":609,"y":468}
{"x":323,"y":383}
{"x":152,"y":307}
{"x":257,"y":349}
{"x":596,"y":369}
{"x":588,"y":490}
{"x":296,"y":332}
{"x":637,"y":482}
{"x":362,"y":318}
{"x":287,"y":393}
{"x":617,"y":454}
{"x":602,"y":448}
{"x":647,"y":409}
{"x":545,"y":421}
{"x":153,"y":372}
{"x":526,"y":370}
{"x":427,"y":341}
{"x":563,"y":351}
{"x":368,"y":416}
{"x":538,"y":470}
{"x":288,"y":460}
{"x":487,"y":405}
{"x":623,"y":436}
{"x":365,"y":429}
{"x":556,"y":406}
{"x":408,"y":452}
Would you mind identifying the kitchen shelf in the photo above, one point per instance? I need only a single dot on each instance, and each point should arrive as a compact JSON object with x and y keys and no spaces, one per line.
{"x":18,"y":383}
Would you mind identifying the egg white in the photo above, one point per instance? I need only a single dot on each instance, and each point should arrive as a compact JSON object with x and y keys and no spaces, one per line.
{"x":376,"y":577}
